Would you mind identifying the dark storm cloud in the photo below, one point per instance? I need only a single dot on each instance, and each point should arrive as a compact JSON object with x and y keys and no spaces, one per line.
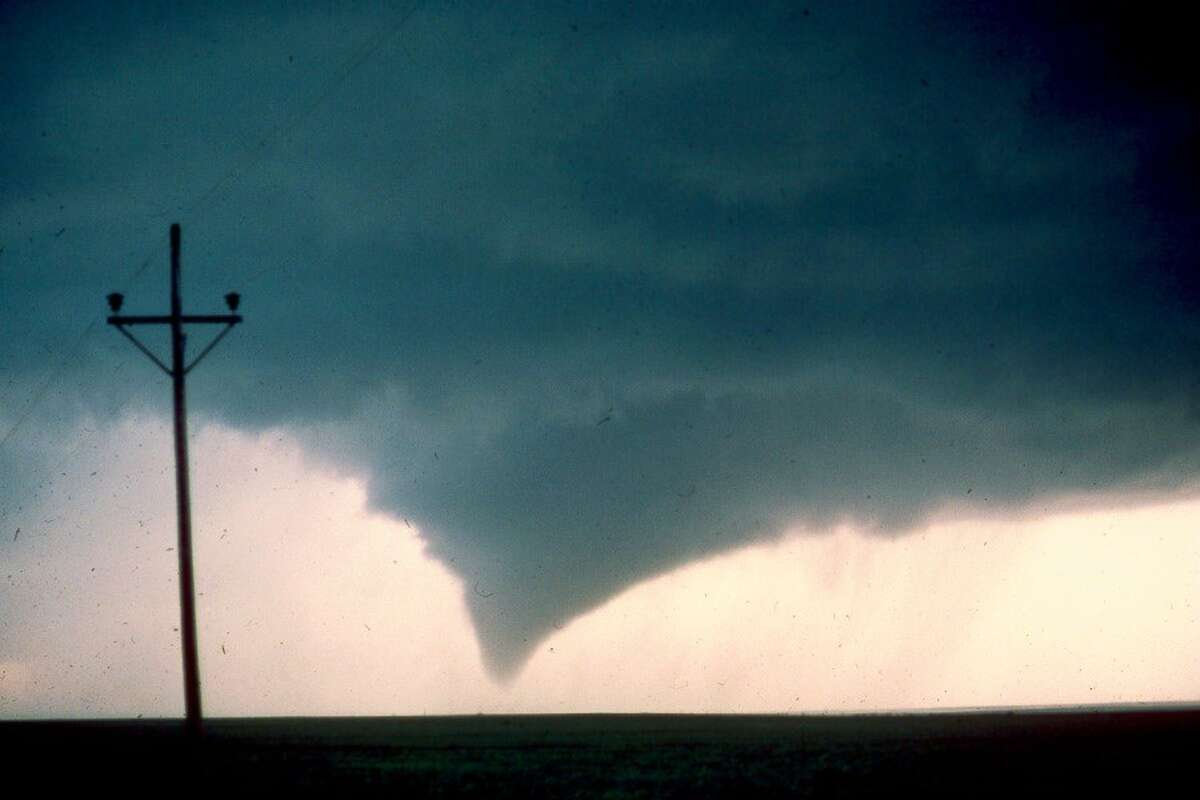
{"x":587,"y":294}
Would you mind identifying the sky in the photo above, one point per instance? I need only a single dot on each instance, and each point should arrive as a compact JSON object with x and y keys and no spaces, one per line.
{"x":638,"y":357}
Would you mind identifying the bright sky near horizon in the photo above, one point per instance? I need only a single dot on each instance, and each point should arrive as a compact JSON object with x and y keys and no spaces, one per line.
{"x":311,"y":604}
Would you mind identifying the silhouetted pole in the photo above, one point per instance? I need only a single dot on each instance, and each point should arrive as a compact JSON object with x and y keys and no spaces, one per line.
{"x":187,"y":603}
{"x":178,"y":372}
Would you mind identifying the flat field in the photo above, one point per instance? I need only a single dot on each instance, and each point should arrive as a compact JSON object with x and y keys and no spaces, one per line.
{"x":970,"y":754}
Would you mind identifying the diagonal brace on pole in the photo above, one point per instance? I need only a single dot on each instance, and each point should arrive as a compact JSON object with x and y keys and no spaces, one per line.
{"x":228,"y":327}
{"x":119,"y":326}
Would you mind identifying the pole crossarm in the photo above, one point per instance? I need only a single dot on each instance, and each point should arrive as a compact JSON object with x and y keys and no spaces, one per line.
{"x":185,"y":319}
{"x":229,"y":320}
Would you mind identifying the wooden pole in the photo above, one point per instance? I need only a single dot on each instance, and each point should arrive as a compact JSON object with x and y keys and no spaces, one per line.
{"x":187,"y":598}
{"x":178,"y":372}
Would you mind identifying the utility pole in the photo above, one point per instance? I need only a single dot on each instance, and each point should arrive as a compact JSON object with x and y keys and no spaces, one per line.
{"x":178,"y":372}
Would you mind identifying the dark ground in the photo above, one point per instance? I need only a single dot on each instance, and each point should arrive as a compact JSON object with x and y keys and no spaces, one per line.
{"x":1014,"y":754}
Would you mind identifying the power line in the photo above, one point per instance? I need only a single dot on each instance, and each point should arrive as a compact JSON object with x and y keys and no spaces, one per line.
{"x":41,"y":392}
{"x":349,"y":67}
